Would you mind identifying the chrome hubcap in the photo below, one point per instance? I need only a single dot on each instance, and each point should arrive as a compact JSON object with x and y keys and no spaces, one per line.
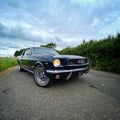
{"x":41,"y":77}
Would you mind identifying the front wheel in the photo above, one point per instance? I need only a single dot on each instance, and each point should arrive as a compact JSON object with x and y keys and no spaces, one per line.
{"x":40,"y":77}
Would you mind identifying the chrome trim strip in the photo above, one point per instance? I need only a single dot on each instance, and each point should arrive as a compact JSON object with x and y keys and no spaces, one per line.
{"x":27,"y":70}
{"x":64,"y":71}
{"x":78,"y":64}
{"x":68,"y":77}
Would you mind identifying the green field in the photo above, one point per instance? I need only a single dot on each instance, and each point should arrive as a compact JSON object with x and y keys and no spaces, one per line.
{"x":7,"y":62}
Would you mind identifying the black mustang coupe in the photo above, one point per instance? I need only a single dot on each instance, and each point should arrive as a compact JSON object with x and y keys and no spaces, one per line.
{"x":47,"y":65}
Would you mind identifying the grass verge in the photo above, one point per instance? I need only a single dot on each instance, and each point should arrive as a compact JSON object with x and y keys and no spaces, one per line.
{"x":7,"y":62}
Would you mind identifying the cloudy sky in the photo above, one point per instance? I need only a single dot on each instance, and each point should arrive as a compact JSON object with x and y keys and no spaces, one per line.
{"x":26,"y":23}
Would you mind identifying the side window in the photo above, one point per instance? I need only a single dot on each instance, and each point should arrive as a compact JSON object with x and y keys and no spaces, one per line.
{"x":27,"y":52}
{"x":23,"y":53}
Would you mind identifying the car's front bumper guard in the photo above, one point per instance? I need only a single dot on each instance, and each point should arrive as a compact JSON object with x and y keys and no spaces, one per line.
{"x":67,"y":71}
{"x":81,"y":70}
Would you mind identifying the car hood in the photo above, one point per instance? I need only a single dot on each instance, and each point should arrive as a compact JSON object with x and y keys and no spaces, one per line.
{"x":50,"y":58}
{"x":68,"y":56}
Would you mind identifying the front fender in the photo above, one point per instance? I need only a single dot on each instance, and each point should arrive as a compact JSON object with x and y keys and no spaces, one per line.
{"x":39,"y":63}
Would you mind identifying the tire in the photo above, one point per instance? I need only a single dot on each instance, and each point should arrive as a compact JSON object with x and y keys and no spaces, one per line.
{"x":40,"y":77}
{"x":19,"y":67}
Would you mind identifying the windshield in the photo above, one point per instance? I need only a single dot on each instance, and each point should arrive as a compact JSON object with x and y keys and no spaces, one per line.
{"x":44,"y":51}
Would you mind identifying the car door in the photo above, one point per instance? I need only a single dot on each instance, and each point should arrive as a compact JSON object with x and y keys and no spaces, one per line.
{"x":25,"y":58}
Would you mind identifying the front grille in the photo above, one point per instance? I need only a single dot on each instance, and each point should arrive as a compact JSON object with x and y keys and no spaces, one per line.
{"x":77,"y":61}
{"x":73,"y":61}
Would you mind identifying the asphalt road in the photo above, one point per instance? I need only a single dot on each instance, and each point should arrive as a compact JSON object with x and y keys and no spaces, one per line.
{"x":95,"y":96}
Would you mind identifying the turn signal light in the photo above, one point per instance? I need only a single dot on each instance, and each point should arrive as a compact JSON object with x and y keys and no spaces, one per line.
{"x":57,"y":76}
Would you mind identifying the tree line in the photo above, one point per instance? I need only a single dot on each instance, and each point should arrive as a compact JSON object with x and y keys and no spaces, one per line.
{"x":103,"y":54}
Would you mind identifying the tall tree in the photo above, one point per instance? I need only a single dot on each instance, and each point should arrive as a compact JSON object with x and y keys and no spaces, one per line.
{"x":49,"y":45}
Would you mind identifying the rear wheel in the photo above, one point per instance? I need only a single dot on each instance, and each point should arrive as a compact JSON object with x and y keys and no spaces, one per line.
{"x":19,"y":67}
{"x":40,"y":77}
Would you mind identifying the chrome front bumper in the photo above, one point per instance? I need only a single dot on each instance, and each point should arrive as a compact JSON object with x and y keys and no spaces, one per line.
{"x":68,"y":71}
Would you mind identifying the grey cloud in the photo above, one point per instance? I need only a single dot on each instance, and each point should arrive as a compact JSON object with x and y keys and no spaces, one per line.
{"x":8,"y":46}
{"x":56,"y":39}
{"x":3,"y":30}
{"x":15,"y":3}
{"x":18,"y":32}
{"x":3,"y":48}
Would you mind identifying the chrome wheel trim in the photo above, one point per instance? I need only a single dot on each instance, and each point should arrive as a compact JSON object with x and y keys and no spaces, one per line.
{"x":40,"y":77}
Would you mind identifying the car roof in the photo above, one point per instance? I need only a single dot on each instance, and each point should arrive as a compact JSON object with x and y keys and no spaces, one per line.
{"x":38,"y":47}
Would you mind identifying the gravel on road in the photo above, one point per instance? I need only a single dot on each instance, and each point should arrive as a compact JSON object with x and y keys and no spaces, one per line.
{"x":76,"y":99}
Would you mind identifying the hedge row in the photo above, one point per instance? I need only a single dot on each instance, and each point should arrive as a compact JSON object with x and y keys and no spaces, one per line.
{"x":103,"y":54}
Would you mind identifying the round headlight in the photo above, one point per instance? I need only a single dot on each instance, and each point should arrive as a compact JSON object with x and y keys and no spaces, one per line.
{"x":56,"y":62}
{"x":82,"y":61}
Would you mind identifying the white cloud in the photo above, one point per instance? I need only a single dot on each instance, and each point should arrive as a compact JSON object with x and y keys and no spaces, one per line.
{"x":112,"y":28}
{"x":111,"y":16}
{"x":83,"y":1}
{"x":95,"y":22}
